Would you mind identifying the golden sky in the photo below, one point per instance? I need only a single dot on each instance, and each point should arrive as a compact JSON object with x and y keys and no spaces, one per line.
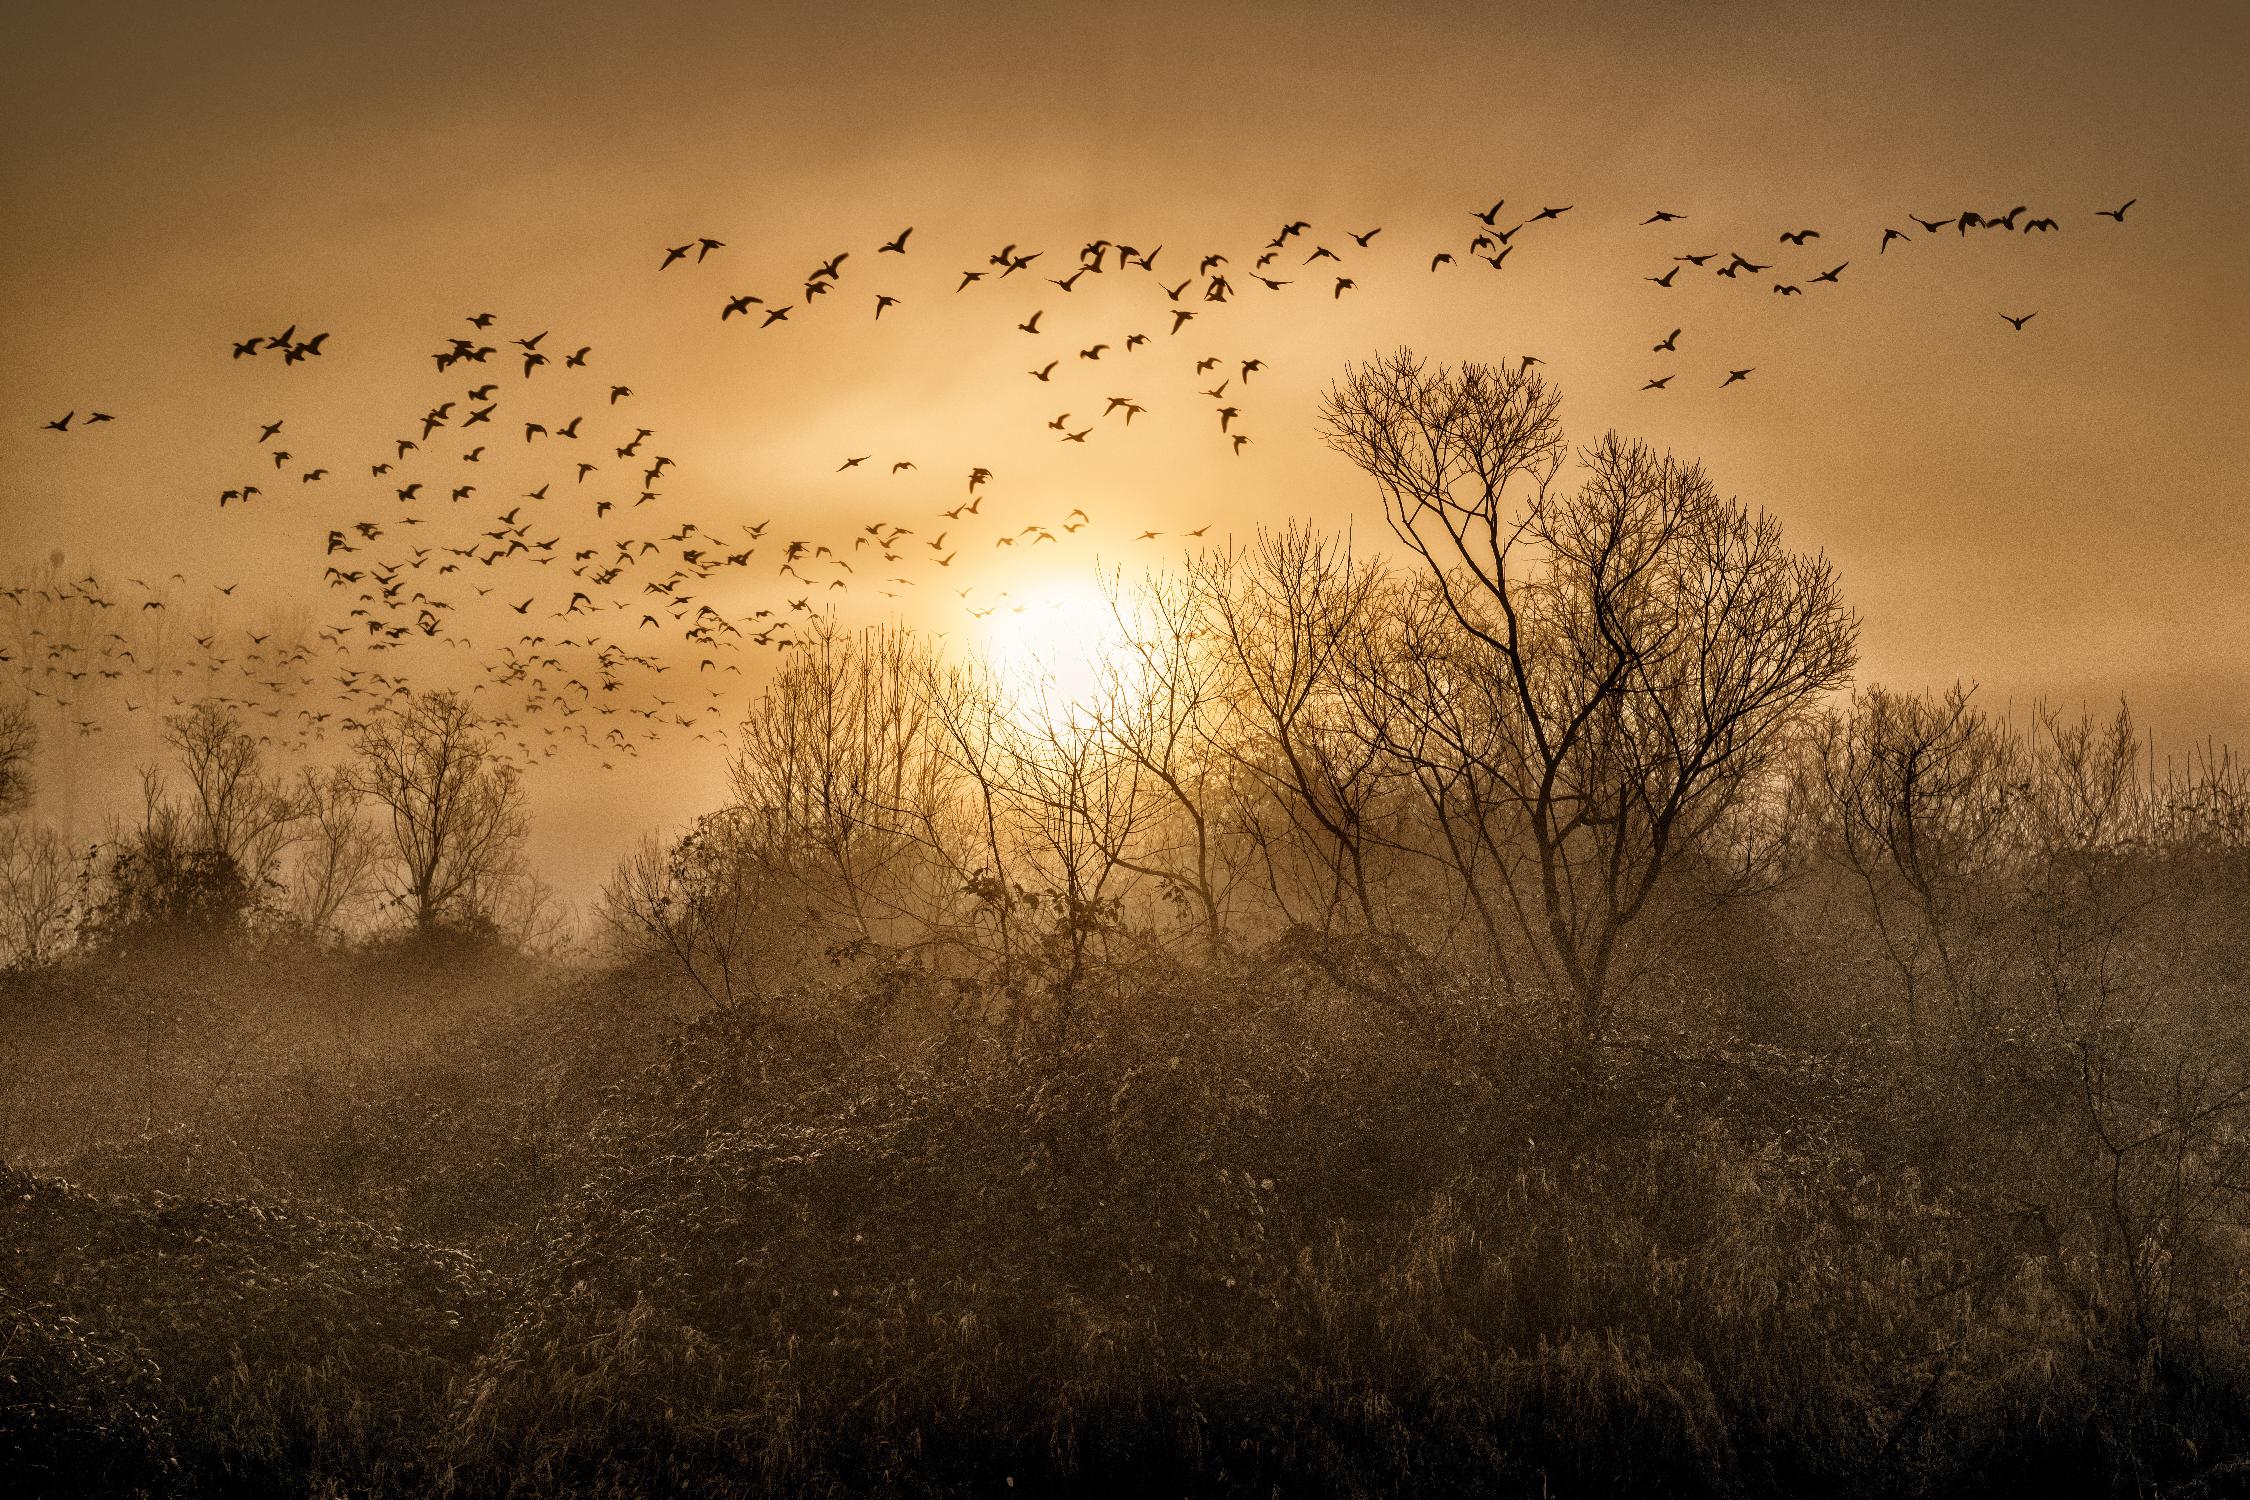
{"x":2054,"y":511}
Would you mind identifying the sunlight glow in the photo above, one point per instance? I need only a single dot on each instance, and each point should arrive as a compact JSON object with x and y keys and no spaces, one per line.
{"x":1056,"y":641}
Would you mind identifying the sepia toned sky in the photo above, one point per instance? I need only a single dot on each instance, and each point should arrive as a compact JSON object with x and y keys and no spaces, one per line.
{"x":2054,"y":512}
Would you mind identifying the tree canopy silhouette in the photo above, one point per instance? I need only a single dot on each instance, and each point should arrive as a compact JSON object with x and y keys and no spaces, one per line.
{"x":455,"y":806}
{"x":1639,"y":647}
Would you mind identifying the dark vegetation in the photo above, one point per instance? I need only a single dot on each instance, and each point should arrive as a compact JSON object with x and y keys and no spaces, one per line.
{"x":1505,"y":1027}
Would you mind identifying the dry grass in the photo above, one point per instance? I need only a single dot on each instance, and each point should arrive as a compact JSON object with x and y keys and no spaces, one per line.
{"x":363,"y":1227}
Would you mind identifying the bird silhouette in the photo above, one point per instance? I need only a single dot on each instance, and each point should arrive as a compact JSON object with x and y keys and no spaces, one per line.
{"x":896,"y":246}
{"x":1662,"y":217}
{"x":2016,"y":322}
{"x":1799,"y":236}
{"x":1735,"y":375}
{"x":1666,"y":279}
{"x":2117,"y":213}
{"x":1671,"y":344}
{"x":1831,"y":275}
{"x":1658,"y":384}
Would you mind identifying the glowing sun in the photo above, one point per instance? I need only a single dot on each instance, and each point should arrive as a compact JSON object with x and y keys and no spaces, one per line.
{"x":1056,"y":641}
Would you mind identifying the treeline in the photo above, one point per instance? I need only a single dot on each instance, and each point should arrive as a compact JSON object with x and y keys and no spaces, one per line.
{"x":1593,"y":721}
{"x":1508,"y":1022}
{"x":421,"y":830}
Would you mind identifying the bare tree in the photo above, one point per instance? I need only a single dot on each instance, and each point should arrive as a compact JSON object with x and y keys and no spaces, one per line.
{"x":1162,"y":706}
{"x":1654,"y":641}
{"x":454,"y":805}
{"x":1284,"y":614}
{"x":972,"y":737}
{"x":40,"y":889}
{"x":19,"y":741}
{"x":1442,"y":720}
{"x":1075,"y":807}
{"x":334,"y":864}
{"x":1920,"y":793}
{"x":234,"y":808}
{"x":695,"y":903}
{"x":835,"y":774}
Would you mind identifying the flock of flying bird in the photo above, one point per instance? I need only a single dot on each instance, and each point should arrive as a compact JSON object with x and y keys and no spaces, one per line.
{"x":426,"y":543}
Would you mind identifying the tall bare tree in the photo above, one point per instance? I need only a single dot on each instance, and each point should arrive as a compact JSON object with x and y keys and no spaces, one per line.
{"x":842,"y":792}
{"x":1919,"y":794}
{"x":1162,"y":705}
{"x":1284,"y":613}
{"x":454,"y":805}
{"x":1654,"y":642}
{"x":336,"y":855}
{"x":234,"y":808}
{"x":19,"y":741}
{"x":40,"y":890}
